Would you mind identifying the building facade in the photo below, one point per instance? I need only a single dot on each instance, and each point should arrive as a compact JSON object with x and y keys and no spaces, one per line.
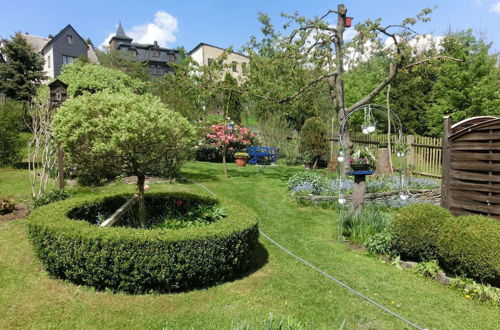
{"x":204,"y":54}
{"x":62,"y":49}
{"x":158,"y":58}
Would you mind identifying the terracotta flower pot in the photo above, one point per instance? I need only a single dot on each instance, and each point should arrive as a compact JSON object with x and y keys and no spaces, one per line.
{"x":241,"y":162}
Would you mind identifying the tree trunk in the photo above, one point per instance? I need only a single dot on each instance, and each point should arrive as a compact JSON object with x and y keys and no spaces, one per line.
{"x":339,"y":80}
{"x":358,"y":195}
{"x":142,"y":205}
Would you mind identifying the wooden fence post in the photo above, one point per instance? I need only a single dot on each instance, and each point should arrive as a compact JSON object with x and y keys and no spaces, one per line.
{"x":446,"y":164}
{"x":410,"y":140}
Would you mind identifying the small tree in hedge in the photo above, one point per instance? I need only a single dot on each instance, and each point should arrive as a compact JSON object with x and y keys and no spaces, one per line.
{"x":313,"y":140}
{"x":123,"y":130}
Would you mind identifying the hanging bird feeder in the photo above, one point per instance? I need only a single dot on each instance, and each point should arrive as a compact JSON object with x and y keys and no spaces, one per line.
{"x":348,"y":21}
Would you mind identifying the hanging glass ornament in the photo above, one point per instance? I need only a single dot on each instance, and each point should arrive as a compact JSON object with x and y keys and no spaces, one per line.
{"x":371,"y":128}
{"x":364,"y":129}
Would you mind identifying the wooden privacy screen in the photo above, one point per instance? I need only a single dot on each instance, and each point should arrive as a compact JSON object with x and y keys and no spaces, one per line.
{"x":471,"y":167}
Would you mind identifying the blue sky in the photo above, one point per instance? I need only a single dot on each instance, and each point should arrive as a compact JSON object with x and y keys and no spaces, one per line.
{"x":227,"y":23}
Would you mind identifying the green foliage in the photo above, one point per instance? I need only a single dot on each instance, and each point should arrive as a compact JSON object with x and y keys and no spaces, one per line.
{"x":474,"y":290}
{"x":6,"y":206}
{"x":196,"y":216}
{"x":427,"y":268}
{"x":10,"y":139}
{"x":23,"y":70}
{"x":379,"y":243}
{"x":470,"y":246}
{"x":107,"y":134}
{"x":124,"y":61}
{"x":273,"y":323}
{"x":84,"y":77}
{"x":425,"y":93}
{"x":51,"y":197}
{"x":241,"y":155}
{"x":360,"y":228}
{"x":140,"y":260}
{"x":313,"y":137}
{"x":416,"y":230}
{"x":311,"y":181}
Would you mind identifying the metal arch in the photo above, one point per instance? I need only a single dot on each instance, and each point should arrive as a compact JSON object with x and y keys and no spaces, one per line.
{"x":373,"y":107}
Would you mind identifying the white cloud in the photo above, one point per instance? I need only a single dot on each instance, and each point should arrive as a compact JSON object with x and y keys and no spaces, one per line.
{"x":162,"y":29}
{"x":495,"y":8}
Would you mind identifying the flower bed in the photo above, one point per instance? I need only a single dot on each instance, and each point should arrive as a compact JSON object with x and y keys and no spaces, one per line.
{"x":71,"y":246}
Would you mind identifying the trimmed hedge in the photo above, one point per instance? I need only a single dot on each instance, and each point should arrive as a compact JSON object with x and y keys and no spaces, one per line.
{"x":416,"y":229}
{"x":140,"y":260}
{"x":470,"y":246}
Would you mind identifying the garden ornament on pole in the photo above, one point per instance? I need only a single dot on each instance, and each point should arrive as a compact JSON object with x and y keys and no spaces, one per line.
{"x":369,"y":126}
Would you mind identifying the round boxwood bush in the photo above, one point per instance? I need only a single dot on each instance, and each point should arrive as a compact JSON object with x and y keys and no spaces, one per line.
{"x":416,"y":229}
{"x":470,"y":246}
{"x":71,"y":246}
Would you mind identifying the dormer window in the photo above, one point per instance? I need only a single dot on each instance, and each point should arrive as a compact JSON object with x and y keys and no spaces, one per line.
{"x":156,"y":53}
{"x":70,"y":39}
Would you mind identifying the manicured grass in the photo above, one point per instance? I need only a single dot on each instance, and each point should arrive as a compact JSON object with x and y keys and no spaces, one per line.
{"x":282,"y":286}
{"x":14,"y":183}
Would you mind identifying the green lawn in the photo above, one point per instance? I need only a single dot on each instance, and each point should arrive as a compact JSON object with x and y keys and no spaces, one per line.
{"x":31,"y":299}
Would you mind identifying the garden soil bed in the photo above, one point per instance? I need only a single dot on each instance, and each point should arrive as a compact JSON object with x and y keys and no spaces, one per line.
{"x":20,"y":212}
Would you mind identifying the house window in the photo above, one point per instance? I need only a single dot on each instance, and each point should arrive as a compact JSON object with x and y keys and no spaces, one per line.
{"x":210,"y":61}
{"x":152,"y":69}
{"x":159,"y":70}
{"x":48,"y":61}
{"x":156,"y":53}
{"x":68,"y":59}
{"x":70,"y":39}
{"x":235,"y":66}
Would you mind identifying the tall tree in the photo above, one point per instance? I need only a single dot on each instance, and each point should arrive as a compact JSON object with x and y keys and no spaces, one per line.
{"x":316,"y":44}
{"x":23,"y":71}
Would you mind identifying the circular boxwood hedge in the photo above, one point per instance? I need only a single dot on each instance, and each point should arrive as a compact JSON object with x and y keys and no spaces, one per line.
{"x":142,"y":260}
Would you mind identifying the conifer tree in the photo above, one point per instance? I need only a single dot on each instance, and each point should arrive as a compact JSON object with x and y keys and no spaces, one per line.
{"x":23,"y":71}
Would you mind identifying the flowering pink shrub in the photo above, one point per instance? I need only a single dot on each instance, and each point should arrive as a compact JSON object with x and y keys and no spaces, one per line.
{"x":220,"y":137}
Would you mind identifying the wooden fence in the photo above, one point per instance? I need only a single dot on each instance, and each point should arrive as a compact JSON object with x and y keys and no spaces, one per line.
{"x":424,"y":157}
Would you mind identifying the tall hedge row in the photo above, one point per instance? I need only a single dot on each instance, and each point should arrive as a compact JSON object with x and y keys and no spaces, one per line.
{"x":140,"y":260}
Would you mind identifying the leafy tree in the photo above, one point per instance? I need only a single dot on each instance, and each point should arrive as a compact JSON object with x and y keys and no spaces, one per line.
{"x":87,"y":77}
{"x":125,"y":131}
{"x":23,"y":70}
{"x":465,"y":89}
{"x":311,"y":55}
{"x":123,"y":61}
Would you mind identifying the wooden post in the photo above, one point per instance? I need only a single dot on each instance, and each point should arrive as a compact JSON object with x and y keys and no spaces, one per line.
{"x":445,"y":166}
{"x":410,"y":140}
{"x":60,"y":166}
{"x":118,"y":213}
{"x":358,"y":195}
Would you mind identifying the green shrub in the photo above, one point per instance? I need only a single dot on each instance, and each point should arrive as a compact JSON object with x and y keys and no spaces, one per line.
{"x":51,"y":197}
{"x":142,"y":260}
{"x":306,"y":181}
{"x":313,"y":138}
{"x":380,"y":243}
{"x":470,"y":246}
{"x":416,"y":229}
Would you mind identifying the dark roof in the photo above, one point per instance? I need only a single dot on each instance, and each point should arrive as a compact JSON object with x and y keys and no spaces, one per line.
{"x":120,"y":32}
{"x":205,"y":44}
{"x":56,"y":83}
{"x":61,"y":33}
{"x":146,"y":46}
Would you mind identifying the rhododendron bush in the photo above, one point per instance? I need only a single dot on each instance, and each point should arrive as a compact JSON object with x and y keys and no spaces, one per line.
{"x":220,"y":137}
